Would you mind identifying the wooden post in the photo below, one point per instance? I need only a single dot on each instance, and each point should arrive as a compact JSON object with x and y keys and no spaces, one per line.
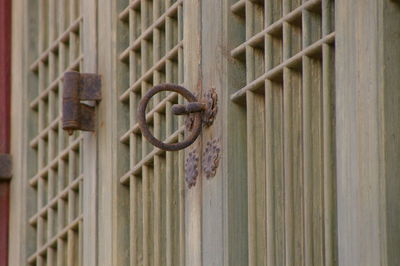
{"x":368,"y":132}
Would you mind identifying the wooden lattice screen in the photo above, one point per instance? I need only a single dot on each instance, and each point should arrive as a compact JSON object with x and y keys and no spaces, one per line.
{"x":152,"y":53}
{"x":55,"y":165}
{"x":287,"y":53}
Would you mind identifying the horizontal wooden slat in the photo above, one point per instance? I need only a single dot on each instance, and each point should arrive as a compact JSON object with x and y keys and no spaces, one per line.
{"x":278,"y":70}
{"x":62,"y":155}
{"x":45,"y":132}
{"x":149,"y":31}
{"x":62,"y":234}
{"x":275,"y":28}
{"x":54,"y":46}
{"x":150,"y":115}
{"x":238,"y":7}
{"x":161,"y":63}
{"x":51,"y":204}
{"x":55,"y":83}
{"x":150,"y":157}
{"x":125,"y":13}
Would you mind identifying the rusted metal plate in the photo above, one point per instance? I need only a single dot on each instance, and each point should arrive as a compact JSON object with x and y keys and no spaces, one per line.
{"x":5,"y":166}
{"x":80,"y":87}
{"x":191,"y":168}
{"x":210,"y":99}
{"x":211,"y":158}
{"x":90,"y":87}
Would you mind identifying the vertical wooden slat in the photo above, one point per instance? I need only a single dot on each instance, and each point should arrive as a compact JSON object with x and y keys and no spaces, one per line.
{"x":193,"y":199}
{"x":256,"y":179}
{"x":329,"y":157}
{"x":23,"y":204}
{"x":275,"y":225}
{"x":136,"y":220}
{"x":179,"y":207}
{"x":367,"y":131}
{"x":159,"y":161}
{"x":307,"y":142}
{"x":292,"y":167}
{"x":255,"y":144}
{"x":312,"y":144}
{"x":88,"y":9}
{"x":170,"y":214}
{"x":292,"y":148}
{"x":147,"y":171}
{"x":275,"y":222}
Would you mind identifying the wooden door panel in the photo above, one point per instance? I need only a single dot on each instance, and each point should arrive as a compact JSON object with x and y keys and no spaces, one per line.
{"x":287,"y":58}
{"x":55,"y":162}
{"x":151,"y":51}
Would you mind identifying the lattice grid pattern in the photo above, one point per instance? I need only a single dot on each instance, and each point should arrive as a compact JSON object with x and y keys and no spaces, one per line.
{"x":152,"y":54}
{"x":57,"y":181}
{"x":287,"y":53}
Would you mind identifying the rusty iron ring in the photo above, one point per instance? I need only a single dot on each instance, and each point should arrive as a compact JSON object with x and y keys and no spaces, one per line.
{"x":141,"y":116}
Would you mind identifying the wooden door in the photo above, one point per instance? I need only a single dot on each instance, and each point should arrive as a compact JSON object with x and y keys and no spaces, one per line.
{"x":111,"y":198}
{"x":272,"y":198}
{"x":305,"y":143}
{"x":285,"y":97}
{"x":54,"y":193}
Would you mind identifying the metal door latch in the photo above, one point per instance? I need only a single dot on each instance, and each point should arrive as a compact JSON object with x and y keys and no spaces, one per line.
{"x":198,"y":109}
{"x":80,"y":87}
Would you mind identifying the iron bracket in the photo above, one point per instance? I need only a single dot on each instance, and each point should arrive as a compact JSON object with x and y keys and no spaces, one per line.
{"x":5,"y":166}
{"x":80,"y":87}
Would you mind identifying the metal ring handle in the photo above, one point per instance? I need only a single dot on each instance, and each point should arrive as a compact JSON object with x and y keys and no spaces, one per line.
{"x":141,"y":116}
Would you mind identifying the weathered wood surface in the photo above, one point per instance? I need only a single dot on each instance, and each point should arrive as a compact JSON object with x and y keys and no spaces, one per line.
{"x":193,"y":196}
{"x":89,"y":9}
{"x":368,"y":132}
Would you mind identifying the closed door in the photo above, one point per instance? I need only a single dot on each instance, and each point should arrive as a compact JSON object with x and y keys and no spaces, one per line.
{"x":55,"y":190}
{"x":257,"y":187}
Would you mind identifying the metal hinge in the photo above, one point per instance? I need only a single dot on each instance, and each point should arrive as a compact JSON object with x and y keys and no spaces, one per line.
{"x":5,"y":166}
{"x":80,"y":87}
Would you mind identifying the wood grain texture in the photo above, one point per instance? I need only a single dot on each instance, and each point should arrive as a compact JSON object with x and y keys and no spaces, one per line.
{"x":192,"y":74}
{"x":367,"y":134}
{"x":233,"y":163}
{"x":113,"y":197}
{"x":213,"y":188}
{"x":90,"y":143}
{"x":20,"y":200}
